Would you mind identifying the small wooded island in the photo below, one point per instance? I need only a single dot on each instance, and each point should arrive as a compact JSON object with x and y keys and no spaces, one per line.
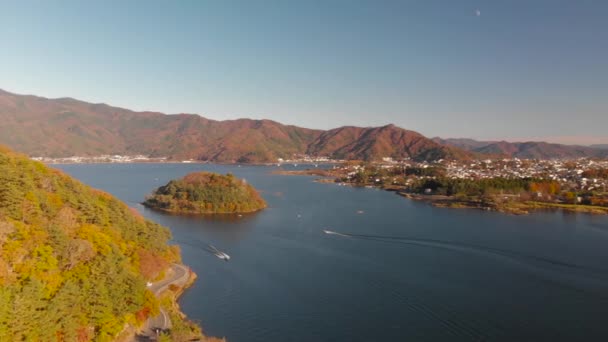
{"x":206,"y":193}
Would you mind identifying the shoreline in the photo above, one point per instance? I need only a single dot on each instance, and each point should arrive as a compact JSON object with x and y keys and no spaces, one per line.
{"x":175,"y":322}
{"x":441,"y":201}
{"x":174,"y":294}
{"x":513,"y":208}
{"x":185,"y":162}
{"x":202,"y":214}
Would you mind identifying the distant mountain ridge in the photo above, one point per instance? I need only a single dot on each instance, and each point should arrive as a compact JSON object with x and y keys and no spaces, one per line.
{"x":524,"y":150}
{"x":65,"y":127}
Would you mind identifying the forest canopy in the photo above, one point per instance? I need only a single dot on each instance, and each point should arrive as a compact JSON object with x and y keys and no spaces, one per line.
{"x":206,"y":193}
{"x":74,"y":261}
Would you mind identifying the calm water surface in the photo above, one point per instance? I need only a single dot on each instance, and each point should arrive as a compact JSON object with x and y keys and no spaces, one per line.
{"x":405,"y":271}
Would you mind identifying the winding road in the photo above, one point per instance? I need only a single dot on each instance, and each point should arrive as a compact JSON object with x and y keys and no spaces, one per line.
{"x":177,"y":275}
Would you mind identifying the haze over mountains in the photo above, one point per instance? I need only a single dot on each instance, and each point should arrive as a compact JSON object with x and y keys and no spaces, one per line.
{"x":66,"y":127}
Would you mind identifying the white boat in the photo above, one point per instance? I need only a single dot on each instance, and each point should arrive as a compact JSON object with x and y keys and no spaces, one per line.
{"x":222,"y":256}
{"x":219,"y":254}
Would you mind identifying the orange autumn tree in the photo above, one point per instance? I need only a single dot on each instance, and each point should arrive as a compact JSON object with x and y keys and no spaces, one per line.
{"x":545,"y":187}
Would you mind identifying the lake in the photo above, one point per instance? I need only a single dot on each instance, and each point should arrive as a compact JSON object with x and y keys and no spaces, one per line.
{"x":401,"y":271}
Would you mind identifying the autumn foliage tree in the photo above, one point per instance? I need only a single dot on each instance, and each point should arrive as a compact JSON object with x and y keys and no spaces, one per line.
{"x":544,"y":187}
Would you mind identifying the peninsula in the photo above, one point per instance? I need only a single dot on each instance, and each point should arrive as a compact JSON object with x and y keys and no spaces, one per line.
{"x":514,"y":186}
{"x":206,"y":193}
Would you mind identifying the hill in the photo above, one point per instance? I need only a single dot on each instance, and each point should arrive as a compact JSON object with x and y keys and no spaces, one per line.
{"x":374,"y":142}
{"x":74,"y":261}
{"x":206,"y":193}
{"x":65,"y":127}
{"x":527,"y":150}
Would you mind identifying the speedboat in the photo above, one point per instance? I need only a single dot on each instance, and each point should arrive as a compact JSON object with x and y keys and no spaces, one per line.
{"x":219,"y":254}
{"x":222,"y":256}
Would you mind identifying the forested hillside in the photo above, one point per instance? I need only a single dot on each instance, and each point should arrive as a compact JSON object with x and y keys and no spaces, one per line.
{"x":206,"y":193}
{"x":73,"y":261}
{"x":66,"y":127}
{"x":373,"y":143}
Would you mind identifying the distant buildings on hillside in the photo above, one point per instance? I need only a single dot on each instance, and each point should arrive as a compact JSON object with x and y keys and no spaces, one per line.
{"x":101,"y":159}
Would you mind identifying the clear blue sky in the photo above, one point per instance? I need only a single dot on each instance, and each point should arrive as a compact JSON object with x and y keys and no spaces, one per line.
{"x":521,"y":69}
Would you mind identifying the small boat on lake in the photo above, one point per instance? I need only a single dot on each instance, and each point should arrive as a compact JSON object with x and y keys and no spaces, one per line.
{"x":219,"y":253}
{"x":222,"y":256}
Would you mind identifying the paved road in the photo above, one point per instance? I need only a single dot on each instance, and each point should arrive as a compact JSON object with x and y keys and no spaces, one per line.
{"x":178,"y":275}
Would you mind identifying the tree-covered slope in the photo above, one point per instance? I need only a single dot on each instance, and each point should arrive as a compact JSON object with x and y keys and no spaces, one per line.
{"x":66,"y":127}
{"x":206,"y":193}
{"x":374,"y":143}
{"x":73,"y":261}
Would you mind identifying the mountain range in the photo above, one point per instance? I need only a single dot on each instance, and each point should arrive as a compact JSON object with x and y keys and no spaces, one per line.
{"x":66,"y":127}
{"x":525,"y":150}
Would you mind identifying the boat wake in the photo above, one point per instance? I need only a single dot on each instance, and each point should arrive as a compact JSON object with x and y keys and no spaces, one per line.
{"x":218,"y":253}
{"x":596,"y":273}
{"x":330,"y":232}
{"x":208,"y":248}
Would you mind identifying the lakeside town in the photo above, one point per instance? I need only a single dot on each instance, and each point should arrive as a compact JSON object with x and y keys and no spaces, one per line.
{"x":106,"y":158}
{"x":117,"y":158}
{"x":507,"y":184}
{"x":504,"y":184}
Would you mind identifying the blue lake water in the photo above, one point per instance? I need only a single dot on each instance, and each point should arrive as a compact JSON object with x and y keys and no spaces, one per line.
{"x":406,"y":271}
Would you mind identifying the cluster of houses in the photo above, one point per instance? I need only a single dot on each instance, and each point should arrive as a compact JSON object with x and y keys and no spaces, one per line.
{"x":307,"y":159}
{"x":100,"y":159}
{"x":567,"y":172}
{"x":570,"y":174}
